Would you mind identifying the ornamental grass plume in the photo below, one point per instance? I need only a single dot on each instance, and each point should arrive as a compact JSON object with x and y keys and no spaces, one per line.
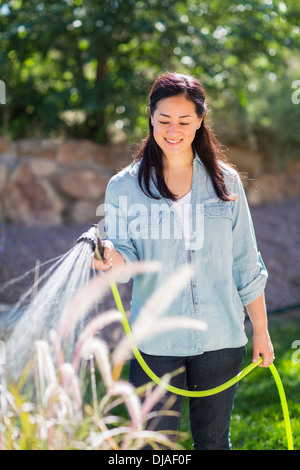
{"x":95,"y":290}
{"x":92,"y":328}
{"x":63,"y":418}
{"x":99,"y":349}
{"x":70,"y":383}
{"x":45,"y":362}
{"x":56,"y":410}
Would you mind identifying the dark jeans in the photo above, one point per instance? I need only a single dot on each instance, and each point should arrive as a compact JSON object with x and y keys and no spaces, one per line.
{"x":209,"y":416}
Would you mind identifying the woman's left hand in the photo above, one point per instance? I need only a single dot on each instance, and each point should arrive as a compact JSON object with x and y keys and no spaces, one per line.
{"x":262,"y":345}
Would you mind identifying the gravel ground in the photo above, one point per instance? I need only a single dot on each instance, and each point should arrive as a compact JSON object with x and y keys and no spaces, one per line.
{"x":277,"y":232}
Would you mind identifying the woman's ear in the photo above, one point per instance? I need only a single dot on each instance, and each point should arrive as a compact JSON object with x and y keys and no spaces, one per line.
{"x":199,"y":123}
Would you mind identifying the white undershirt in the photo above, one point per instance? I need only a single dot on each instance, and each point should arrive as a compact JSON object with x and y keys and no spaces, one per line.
{"x":183,"y":209}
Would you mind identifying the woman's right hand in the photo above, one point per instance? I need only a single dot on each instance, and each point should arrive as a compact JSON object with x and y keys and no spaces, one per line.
{"x":107,"y":255}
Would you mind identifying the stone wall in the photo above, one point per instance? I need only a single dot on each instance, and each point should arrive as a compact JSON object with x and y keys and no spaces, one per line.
{"x":49,"y":182}
{"x":261,"y":186}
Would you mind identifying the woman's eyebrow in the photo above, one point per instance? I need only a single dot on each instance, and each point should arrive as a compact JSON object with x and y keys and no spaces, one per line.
{"x":166,"y":115}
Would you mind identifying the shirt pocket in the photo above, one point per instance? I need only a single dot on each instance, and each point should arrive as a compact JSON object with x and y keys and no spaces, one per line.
{"x":217,"y":229}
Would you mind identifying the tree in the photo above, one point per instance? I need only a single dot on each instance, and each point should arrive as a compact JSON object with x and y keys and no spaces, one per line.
{"x":83,"y":68}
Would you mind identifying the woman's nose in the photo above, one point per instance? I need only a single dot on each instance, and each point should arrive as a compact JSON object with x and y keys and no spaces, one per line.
{"x":173,"y":129}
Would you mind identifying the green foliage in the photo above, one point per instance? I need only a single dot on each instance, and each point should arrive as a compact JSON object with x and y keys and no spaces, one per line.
{"x":83,"y":68}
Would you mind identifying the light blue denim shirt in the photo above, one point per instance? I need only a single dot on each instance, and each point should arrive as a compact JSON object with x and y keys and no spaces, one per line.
{"x":229,"y":272}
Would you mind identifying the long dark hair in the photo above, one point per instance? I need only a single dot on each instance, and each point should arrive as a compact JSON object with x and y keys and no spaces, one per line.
{"x":205,"y":144}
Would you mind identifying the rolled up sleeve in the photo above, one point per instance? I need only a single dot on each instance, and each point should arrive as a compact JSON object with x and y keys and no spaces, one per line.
{"x":116,"y":226}
{"x":249,"y":271}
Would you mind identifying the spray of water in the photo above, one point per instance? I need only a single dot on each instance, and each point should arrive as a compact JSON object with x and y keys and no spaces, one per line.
{"x":39,"y":309}
{"x":62,"y":299}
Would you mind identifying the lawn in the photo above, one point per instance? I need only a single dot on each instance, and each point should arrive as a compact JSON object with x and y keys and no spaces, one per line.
{"x":257,"y":421}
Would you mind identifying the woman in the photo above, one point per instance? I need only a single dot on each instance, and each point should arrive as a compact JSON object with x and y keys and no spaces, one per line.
{"x":180,"y":202}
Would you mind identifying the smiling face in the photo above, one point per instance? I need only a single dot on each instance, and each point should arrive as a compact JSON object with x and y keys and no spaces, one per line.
{"x":175,"y":123}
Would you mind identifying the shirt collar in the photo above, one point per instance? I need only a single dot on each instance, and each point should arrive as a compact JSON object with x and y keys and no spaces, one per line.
{"x":197,"y":159}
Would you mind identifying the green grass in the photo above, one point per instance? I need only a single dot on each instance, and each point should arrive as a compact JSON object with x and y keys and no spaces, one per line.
{"x":257,"y":421}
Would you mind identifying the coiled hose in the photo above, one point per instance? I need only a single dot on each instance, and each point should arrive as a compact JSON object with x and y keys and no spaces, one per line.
{"x":213,"y":391}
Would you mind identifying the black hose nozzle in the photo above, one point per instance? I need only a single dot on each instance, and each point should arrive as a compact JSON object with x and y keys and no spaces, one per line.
{"x":92,"y":237}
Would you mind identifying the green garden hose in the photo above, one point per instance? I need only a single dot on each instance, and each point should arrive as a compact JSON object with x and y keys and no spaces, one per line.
{"x":213,"y":391}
